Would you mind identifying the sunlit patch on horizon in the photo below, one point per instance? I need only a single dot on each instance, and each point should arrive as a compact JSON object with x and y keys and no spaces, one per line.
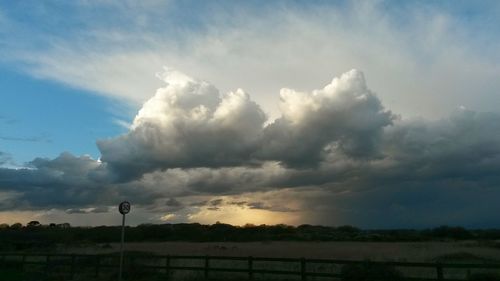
{"x":241,"y":216}
{"x":167,"y":217}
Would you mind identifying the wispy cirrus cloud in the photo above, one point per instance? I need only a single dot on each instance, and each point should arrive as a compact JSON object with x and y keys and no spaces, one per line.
{"x":7,"y":120}
{"x":25,"y":139}
{"x":4,"y":158}
{"x":420,"y":58}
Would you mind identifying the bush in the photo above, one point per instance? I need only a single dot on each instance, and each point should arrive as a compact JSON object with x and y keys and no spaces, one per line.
{"x":368,"y":271}
{"x":484,"y":277}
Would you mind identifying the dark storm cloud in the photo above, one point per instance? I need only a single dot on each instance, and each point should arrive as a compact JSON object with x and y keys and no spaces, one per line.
{"x":432,"y":173}
{"x":266,"y":206}
{"x":339,"y":141}
{"x":238,"y":203}
{"x":465,"y":146}
{"x":214,"y":205}
{"x":406,"y":205}
{"x":199,"y":204}
{"x":69,"y":182}
{"x":221,"y":204}
{"x":216,"y":202}
{"x":173,"y":205}
{"x":172,"y":202}
{"x":101,"y":209}
{"x":64,"y":181}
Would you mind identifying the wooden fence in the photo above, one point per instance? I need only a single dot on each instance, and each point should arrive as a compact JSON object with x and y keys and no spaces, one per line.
{"x":99,"y":264}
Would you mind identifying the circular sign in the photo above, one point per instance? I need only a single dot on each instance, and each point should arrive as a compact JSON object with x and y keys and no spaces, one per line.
{"x":124,"y":207}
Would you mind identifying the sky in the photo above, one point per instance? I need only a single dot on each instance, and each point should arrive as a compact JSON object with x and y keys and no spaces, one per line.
{"x":378,"y":114}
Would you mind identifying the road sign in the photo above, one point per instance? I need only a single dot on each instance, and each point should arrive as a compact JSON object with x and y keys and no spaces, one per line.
{"x":124,"y":207}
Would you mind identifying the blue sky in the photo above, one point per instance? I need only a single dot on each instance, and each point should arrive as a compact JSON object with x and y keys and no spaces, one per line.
{"x":126,"y":82}
{"x":43,"y":118}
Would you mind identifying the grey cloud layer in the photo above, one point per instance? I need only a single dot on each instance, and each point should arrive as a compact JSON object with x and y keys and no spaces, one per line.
{"x":64,"y":181}
{"x":339,"y":142}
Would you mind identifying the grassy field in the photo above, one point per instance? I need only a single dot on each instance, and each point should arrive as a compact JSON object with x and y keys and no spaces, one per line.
{"x":85,"y":268}
{"x":11,"y":275}
{"x":445,"y":252}
{"x":464,"y":251}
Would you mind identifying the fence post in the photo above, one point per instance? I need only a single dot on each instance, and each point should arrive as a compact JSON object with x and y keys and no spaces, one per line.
{"x":167,"y":267}
{"x":73,"y":266}
{"x":250,"y":268}
{"x":47,"y":264}
{"x":207,"y":266}
{"x":23,"y":262}
{"x":439,"y":271}
{"x":303,"y":276}
{"x":131,"y":266}
{"x":97,"y":265}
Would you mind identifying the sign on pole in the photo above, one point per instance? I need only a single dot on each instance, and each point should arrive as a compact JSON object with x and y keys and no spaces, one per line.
{"x":123,"y":208}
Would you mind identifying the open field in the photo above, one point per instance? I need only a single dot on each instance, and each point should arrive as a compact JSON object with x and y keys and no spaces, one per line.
{"x":462,"y":251}
{"x":461,"y":259}
{"x":25,"y":266}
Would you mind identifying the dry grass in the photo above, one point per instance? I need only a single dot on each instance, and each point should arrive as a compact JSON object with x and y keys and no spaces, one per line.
{"x":448,"y":252}
{"x":394,"y":251}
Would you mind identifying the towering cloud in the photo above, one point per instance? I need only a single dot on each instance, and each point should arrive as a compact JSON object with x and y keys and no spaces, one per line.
{"x":190,"y":124}
{"x":343,"y":117}
{"x":187,"y":124}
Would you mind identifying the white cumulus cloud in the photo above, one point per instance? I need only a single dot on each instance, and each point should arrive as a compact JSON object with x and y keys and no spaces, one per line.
{"x":190,"y":124}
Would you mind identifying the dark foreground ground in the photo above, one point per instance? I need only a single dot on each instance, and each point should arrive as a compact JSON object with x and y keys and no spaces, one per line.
{"x":453,"y":251}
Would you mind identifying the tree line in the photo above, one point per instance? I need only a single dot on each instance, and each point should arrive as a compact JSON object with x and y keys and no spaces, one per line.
{"x":36,"y":235}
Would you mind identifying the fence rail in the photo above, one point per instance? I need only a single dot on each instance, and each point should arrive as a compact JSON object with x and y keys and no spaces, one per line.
{"x":78,"y":261}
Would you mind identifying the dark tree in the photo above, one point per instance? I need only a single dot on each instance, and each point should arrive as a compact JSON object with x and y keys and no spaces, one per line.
{"x":33,"y":224}
{"x":16,"y":225}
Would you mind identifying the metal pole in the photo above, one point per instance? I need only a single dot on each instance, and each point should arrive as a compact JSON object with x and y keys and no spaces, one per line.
{"x":121,"y":248}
